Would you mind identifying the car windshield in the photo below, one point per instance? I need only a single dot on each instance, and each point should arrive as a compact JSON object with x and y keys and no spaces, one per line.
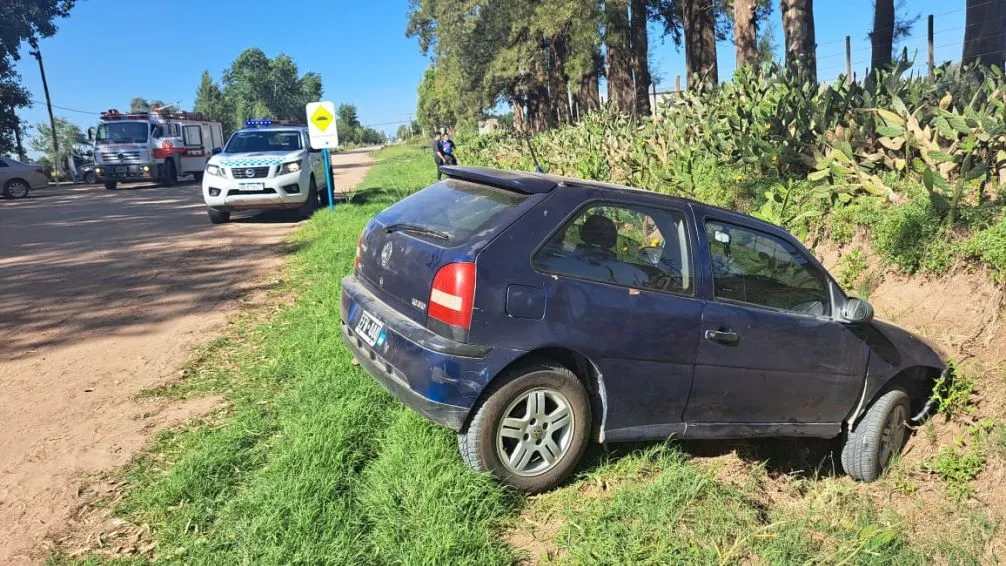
{"x":123,"y":132}
{"x":243,"y":142}
{"x":452,"y":208}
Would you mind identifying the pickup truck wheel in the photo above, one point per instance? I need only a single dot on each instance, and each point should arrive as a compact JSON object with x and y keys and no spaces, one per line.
{"x":170,"y":174}
{"x":218,"y":216}
{"x":311,"y":204}
{"x":531,"y":429}
{"x":878,"y":437}
{"x":110,"y":186}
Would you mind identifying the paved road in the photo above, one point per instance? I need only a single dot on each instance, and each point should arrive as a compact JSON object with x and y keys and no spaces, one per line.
{"x":103,"y":294}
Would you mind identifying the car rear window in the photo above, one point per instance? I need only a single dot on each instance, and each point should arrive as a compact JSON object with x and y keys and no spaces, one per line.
{"x":458,"y":209}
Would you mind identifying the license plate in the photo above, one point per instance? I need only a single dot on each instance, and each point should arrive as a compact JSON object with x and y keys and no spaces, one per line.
{"x":120,"y":169}
{"x":369,"y":328}
{"x":252,"y":186}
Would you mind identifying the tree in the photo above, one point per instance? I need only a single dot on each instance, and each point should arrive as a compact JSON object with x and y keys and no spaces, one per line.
{"x":210,"y":99}
{"x":143,"y":105}
{"x":798,"y":27}
{"x":745,"y":33}
{"x":21,"y":22}
{"x":640,"y":44}
{"x":699,"y":21}
{"x":347,"y":113}
{"x":616,"y":39}
{"x":985,"y":32}
{"x":72,"y":142}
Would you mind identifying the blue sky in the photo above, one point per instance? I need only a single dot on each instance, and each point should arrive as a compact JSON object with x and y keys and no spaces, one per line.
{"x":109,"y":51}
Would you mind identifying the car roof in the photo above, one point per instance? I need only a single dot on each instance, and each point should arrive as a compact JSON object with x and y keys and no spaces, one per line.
{"x":534,"y":183}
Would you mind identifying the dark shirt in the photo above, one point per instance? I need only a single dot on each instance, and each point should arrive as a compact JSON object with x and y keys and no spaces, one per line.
{"x":447,"y":146}
{"x":437,"y":147}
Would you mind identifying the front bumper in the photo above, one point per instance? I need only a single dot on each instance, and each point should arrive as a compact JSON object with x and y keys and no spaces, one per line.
{"x":126,"y":173}
{"x":439,"y":378}
{"x":281,"y":191}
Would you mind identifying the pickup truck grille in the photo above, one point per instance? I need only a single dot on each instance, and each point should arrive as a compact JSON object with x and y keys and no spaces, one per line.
{"x":249,"y":172}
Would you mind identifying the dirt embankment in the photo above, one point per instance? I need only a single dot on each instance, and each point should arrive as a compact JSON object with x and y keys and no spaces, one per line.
{"x":104,"y":294}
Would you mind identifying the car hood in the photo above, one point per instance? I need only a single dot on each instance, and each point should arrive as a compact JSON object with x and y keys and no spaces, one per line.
{"x":256,"y":158}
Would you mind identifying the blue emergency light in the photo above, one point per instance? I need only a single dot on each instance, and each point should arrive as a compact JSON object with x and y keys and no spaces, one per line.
{"x":257,"y":123}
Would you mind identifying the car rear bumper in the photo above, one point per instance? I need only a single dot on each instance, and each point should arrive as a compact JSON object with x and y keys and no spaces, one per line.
{"x":437,"y":377}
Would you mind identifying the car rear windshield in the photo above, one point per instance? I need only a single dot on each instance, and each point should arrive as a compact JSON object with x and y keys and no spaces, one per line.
{"x":453,"y":208}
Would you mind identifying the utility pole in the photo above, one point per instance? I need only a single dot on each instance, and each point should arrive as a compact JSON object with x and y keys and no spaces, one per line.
{"x":52,"y":119}
{"x":932,"y":63}
{"x":848,"y":59}
{"x":17,"y":138}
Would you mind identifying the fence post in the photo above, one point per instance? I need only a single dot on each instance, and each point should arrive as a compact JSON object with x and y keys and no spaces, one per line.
{"x":932,"y":62}
{"x":848,"y":58}
{"x":677,"y":83}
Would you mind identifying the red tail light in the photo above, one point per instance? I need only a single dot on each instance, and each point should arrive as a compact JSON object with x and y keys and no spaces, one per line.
{"x":356,"y":260}
{"x":451,"y":298}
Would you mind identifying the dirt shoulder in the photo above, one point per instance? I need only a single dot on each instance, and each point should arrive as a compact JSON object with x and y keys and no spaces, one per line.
{"x":102,"y":295}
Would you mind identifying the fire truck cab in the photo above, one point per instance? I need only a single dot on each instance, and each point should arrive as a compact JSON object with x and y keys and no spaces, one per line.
{"x":156,"y":146}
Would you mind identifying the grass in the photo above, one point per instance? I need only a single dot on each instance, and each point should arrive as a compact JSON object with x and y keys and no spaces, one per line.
{"x":309,"y":461}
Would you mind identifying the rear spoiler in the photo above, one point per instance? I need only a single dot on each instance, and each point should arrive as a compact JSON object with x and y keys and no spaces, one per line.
{"x":527,"y":183}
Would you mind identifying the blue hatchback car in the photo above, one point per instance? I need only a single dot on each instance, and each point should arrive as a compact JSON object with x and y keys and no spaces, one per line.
{"x":533,"y":314}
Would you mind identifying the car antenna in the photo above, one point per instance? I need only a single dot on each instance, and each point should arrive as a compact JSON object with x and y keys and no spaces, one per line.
{"x":537,"y":166}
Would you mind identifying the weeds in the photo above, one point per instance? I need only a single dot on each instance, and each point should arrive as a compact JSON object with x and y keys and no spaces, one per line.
{"x":851,"y":268}
{"x":953,"y":391}
{"x":957,"y":466}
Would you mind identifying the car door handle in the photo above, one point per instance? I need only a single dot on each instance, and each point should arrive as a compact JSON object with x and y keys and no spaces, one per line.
{"x":727,"y":337}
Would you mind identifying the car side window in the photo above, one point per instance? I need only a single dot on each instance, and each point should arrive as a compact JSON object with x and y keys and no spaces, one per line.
{"x":631,"y":246}
{"x":756,"y":268}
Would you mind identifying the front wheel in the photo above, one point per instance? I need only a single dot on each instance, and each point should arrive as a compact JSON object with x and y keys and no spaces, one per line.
{"x":311,"y":204}
{"x":110,"y":186}
{"x":15,"y":188}
{"x":89,"y":178}
{"x":198,"y":176}
{"x":878,"y":437}
{"x":218,"y":216}
{"x":532,"y":429}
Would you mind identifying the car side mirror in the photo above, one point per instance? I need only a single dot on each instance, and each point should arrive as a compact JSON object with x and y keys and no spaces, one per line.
{"x":857,"y":311}
{"x":216,"y":150}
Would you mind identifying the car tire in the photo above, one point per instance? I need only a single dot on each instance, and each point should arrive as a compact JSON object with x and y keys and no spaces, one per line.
{"x":322,"y":196}
{"x":198,"y":177}
{"x":311,"y":204}
{"x":515,"y":398}
{"x":110,"y":186}
{"x":89,"y":178}
{"x":16,"y":188}
{"x":170,"y":174}
{"x":218,"y":216}
{"x":878,"y":437}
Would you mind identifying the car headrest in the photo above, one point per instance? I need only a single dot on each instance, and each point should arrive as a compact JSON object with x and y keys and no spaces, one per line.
{"x":599,"y":231}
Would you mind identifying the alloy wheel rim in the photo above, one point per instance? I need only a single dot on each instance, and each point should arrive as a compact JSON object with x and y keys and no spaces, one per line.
{"x":17,"y":189}
{"x":893,"y":434}
{"x":535,"y":432}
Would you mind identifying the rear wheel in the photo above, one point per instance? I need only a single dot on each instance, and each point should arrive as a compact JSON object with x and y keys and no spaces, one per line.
{"x":16,"y":188}
{"x":218,"y":216}
{"x":110,"y":186}
{"x":878,"y":437}
{"x":531,"y":429}
{"x":170,"y":174}
{"x":89,"y":178}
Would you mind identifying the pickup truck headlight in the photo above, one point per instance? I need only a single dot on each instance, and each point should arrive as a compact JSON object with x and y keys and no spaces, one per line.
{"x":215,"y":170}
{"x":291,"y":167}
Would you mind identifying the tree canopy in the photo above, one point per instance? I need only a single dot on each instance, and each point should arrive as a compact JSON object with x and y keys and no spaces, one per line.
{"x":72,"y":142}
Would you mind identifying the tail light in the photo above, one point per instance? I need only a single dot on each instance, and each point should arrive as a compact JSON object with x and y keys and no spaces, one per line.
{"x":356,"y":260}
{"x":451,"y":298}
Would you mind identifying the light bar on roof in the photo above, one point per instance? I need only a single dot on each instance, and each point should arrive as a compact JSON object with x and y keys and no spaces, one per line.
{"x":257,"y":123}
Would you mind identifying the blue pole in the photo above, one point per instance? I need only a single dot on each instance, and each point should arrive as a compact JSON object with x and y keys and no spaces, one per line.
{"x":329,"y":185}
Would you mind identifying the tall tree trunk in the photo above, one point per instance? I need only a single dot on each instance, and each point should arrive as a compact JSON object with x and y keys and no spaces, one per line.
{"x":517,"y":105}
{"x":882,"y":36}
{"x":616,"y":37}
{"x":745,"y":33}
{"x":558,"y":81}
{"x":639,"y":42}
{"x":801,"y":47}
{"x":590,"y":94}
{"x":538,"y":106}
{"x":985,"y":32}
{"x":699,"y":19}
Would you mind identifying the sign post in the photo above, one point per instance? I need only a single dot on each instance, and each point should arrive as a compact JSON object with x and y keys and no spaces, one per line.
{"x":324,"y":135}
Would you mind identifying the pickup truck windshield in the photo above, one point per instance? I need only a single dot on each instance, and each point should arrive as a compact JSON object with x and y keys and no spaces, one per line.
{"x":243,"y":142}
{"x":123,"y":132}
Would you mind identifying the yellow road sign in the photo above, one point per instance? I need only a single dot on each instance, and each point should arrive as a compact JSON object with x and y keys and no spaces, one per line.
{"x":321,"y":124}
{"x":322,"y":118}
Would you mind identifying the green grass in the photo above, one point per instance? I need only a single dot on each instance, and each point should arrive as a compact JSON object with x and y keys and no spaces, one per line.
{"x":309,"y":461}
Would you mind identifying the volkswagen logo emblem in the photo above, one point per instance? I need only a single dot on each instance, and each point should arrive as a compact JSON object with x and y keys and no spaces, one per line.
{"x":249,"y":172}
{"x":386,"y":254}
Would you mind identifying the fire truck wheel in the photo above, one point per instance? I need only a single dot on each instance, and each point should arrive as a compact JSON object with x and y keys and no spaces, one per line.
{"x":170,"y":174}
{"x":110,"y":186}
{"x":198,"y":177}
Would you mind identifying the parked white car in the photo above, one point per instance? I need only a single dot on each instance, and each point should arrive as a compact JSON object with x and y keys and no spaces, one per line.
{"x":17,"y":179}
{"x":264,"y":166}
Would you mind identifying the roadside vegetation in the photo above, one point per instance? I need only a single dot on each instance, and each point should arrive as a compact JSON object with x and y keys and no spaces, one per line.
{"x":308,"y":460}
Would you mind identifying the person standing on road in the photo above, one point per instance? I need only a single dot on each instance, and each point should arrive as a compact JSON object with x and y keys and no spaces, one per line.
{"x":438,"y":153}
